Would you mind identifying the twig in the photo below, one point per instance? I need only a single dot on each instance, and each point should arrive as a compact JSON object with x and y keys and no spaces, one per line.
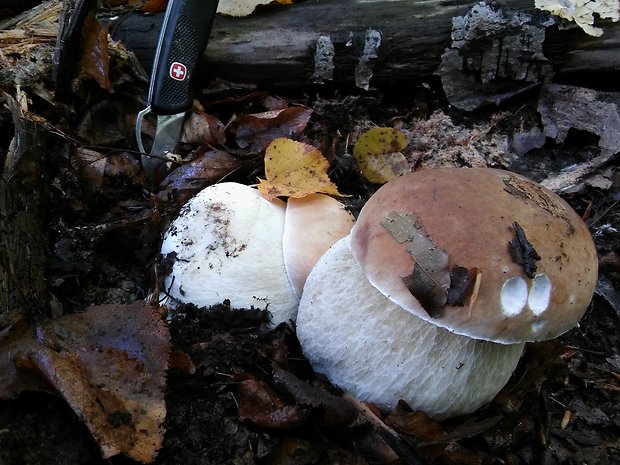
{"x":404,"y":451}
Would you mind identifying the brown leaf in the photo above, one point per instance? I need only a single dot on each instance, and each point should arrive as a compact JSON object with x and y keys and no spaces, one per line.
{"x":414,"y":423}
{"x":523,"y":252}
{"x":202,"y":128}
{"x":462,"y":283}
{"x":181,"y":361}
{"x":153,"y":6}
{"x":276,"y":347}
{"x":109,"y":365}
{"x":261,"y":406}
{"x":255,"y":131}
{"x":205,"y":170}
{"x":437,"y":445}
{"x":336,"y":409}
{"x":95,"y":57}
{"x":92,"y":166}
{"x":290,"y":451}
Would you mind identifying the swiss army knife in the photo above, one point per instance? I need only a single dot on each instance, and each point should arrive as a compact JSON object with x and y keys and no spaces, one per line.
{"x":183,"y":38}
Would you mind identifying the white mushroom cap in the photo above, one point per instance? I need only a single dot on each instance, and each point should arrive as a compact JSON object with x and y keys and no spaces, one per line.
{"x":227,"y":242}
{"x":471,"y":214}
{"x":380,"y":353}
{"x":313,"y":223}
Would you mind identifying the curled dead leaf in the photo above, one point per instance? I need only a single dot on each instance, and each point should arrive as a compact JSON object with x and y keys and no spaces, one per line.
{"x":254,"y":132}
{"x":212,"y":166}
{"x":202,"y":128}
{"x":261,"y":406}
{"x":109,"y":365}
{"x":95,"y":56}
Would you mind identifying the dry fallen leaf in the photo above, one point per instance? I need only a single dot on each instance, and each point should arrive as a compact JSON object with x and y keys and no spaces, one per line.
{"x":295,"y":169}
{"x":260,"y":405}
{"x":92,"y":165}
{"x":202,"y":128}
{"x":378,"y":155}
{"x":431,"y":439}
{"x":255,"y":131}
{"x":210,"y":167}
{"x":95,"y":57}
{"x":152,"y":6}
{"x":108,"y":363}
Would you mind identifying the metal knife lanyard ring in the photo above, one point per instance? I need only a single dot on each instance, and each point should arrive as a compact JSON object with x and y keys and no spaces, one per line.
{"x":184,"y":35}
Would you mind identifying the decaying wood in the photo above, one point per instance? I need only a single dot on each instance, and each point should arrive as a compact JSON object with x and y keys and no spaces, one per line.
{"x":23,"y":242}
{"x":27,"y":45}
{"x":30,"y":28}
{"x":290,"y":45}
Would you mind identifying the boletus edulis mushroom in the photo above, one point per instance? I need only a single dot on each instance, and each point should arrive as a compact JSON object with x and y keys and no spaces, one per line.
{"x":444,"y":277}
{"x":227,"y":244}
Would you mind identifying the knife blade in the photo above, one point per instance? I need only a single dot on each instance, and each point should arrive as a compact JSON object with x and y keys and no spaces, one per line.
{"x":183,"y":38}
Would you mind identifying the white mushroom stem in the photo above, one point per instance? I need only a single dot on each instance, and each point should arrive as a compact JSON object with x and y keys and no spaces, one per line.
{"x":380,"y":353}
{"x":313,"y":223}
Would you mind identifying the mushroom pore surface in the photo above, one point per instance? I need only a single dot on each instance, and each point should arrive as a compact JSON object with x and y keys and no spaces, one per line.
{"x":529,"y":262}
{"x":226,"y":243}
{"x":369,"y":346}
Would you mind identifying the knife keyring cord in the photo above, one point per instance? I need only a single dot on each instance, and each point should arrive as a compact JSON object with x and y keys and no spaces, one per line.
{"x":183,"y":38}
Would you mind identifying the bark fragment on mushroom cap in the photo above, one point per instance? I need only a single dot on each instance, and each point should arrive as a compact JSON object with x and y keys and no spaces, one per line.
{"x":474,"y":216}
{"x":380,"y":353}
{"x":227,"y":244}
{"x":312,"y":224}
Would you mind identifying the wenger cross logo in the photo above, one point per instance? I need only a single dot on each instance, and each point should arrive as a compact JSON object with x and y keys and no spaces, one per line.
{"x":178,"y":71}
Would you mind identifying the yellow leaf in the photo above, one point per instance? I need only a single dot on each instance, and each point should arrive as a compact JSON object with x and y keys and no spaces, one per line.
{"x":245,"y":7}
{"x":378,"y":155}
{"x":294,"y":169}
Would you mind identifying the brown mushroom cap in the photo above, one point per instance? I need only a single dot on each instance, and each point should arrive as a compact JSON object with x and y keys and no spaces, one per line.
{"x":472,"y":215}
{"x":311,"y":226}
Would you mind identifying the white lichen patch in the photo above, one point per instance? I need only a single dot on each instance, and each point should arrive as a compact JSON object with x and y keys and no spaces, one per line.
{"x":365,"y":64}
{"x":540,"y":294}
{"x":513,"y":296}
{"x":323,"y":59}
{"x":582,"y":12}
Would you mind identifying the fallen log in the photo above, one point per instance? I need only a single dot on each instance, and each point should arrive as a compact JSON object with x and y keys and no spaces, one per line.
{"x":368,"y":42}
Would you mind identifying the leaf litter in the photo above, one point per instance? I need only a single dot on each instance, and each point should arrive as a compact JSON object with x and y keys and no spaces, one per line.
{"x":109,"y":365}
{"x":550,"y":411}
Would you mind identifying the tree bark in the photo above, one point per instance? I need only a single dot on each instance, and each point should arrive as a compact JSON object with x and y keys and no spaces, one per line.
{"x":278,"y":45}
{"x":23,"y":240}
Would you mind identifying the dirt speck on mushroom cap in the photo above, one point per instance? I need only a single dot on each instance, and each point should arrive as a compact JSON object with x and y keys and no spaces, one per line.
{"x":470,"y":214}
